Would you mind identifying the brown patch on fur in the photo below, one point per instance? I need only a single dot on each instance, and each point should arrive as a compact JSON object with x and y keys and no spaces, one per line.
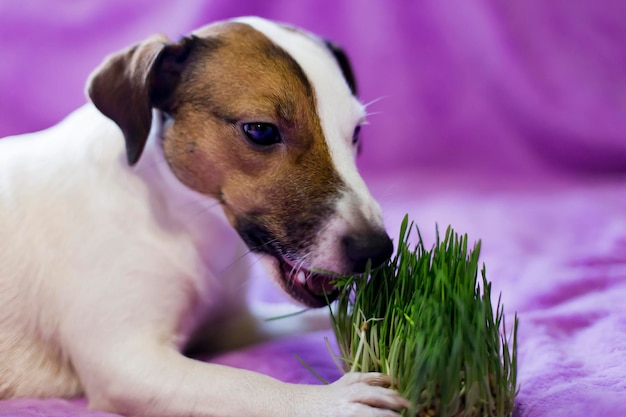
{"x":286,"y":189}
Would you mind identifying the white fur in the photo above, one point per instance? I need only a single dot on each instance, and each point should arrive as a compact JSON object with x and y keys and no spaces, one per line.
{"x":106,"y":269}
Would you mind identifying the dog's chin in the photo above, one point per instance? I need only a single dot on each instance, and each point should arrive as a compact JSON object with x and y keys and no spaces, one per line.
{"x":311,"y":289}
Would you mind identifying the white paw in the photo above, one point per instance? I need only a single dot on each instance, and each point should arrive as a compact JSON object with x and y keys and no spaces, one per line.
{"x":362,"y":395}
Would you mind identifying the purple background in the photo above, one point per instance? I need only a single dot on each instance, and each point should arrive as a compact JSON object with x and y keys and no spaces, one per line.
{"x":505,"y":119}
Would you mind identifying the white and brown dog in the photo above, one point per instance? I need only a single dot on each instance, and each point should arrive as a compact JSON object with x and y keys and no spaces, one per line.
{"x":123,"y":229}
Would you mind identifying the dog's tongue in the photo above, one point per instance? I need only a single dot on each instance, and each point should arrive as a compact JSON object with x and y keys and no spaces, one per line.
{"x":319,"y":284}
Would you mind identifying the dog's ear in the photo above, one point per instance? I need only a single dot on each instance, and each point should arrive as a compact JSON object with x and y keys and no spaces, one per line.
{"x":130,"y":83}
{"x":344,"y":63}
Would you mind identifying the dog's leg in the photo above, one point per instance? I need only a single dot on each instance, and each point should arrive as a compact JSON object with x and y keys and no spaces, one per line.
{"x":123,"y":345}
{"x":141,"y":377}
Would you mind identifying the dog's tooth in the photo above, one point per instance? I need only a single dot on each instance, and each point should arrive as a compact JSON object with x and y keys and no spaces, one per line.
{"x":301,"y":277}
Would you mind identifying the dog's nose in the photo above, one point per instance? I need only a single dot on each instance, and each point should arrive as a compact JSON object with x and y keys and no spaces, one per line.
{"x":359,"y":248}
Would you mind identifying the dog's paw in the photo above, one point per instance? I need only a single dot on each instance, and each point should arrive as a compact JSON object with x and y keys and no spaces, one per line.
{"x":363,"y":395}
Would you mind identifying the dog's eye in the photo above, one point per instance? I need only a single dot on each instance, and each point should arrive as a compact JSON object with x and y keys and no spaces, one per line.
{"x":263,"y":134}
{"x":356,"y":142}
{"x":355,"y":135}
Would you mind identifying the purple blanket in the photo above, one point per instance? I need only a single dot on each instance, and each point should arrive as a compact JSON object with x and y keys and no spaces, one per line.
{"x":505,"y":119}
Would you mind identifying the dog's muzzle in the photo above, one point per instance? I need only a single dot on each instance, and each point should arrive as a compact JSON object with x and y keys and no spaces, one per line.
{"x":313,"y":287}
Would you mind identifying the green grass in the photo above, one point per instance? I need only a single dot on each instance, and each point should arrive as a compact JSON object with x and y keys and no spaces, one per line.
{"x":425,"y":319}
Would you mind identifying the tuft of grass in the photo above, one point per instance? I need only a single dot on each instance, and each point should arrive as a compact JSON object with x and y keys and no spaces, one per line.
{"x":426,"y":320}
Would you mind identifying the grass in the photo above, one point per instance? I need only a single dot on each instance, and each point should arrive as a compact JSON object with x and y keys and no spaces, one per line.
{"x":425,"y":319}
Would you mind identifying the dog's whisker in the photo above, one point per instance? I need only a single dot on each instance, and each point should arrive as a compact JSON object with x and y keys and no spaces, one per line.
{"x":368,"y":114}
{"x":244,"y":284}
{"x":236,"y":260}
{"x":249,"y":266}
{"x":264,"y":244}
{"x":376,"y":100}
{"x":246,"y":253}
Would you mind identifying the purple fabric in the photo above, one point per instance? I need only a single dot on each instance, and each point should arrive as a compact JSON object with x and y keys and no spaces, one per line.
{"x":504,"y":119}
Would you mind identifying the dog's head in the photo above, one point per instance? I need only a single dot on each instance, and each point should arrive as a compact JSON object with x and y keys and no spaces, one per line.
{"x":264,"y":118}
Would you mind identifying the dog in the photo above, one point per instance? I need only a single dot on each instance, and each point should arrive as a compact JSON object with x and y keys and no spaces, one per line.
{"x":125,"y":229}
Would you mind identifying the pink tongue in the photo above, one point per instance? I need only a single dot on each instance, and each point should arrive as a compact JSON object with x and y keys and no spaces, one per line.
{"x":319,"y":285}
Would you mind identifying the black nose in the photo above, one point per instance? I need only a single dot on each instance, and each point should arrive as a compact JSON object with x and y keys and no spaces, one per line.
{"x":359,"y":248}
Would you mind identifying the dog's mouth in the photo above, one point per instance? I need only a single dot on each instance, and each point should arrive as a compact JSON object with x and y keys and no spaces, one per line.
{"x":313,"y":289}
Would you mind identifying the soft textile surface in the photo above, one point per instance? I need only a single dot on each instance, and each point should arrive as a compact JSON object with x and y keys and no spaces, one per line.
{"x":504,"y":119}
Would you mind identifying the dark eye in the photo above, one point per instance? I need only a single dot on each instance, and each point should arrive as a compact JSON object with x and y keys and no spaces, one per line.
{"x":355,"y":135}
{"x":263,"y":134}
{"x":356,"y":142}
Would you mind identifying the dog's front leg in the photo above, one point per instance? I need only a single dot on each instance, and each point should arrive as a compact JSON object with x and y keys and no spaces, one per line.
{"x":143,"y":378}
{"x":122,"y":342}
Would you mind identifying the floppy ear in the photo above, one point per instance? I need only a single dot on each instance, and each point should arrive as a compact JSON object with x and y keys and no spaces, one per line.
{"x":130,"y":83}
{"x":344,"y":64}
